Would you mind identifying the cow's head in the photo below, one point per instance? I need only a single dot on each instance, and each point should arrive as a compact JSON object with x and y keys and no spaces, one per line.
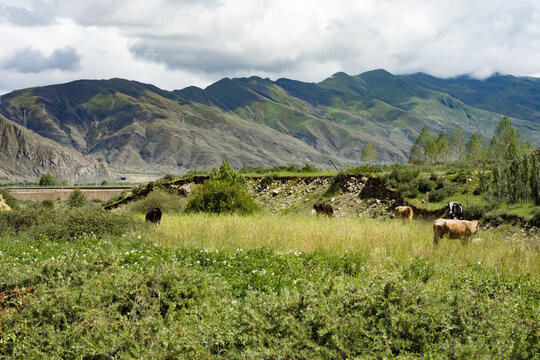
{"x":475,"y":226}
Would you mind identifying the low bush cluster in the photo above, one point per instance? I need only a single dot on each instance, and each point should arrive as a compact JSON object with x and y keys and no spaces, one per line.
{"x":224,"y":193}
{"x":65,"y":224}
{"x":167,"y":202}
{"x":291,"y":168}
{"x":96,"y":299}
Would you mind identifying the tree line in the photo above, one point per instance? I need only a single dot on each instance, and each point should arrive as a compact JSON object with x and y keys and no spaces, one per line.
{"x":506,"y":144}
{"x":513,"y":171}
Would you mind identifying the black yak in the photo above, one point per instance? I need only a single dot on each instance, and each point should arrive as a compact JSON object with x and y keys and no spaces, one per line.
{"x":154,"y":215}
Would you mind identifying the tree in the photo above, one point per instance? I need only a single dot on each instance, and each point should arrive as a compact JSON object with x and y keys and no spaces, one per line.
{"x":48,"y":180}
{"x":369,"y":154}
{"x":416,"y":154}
{"x":423,"y":148}
{"x":442,"y":149}
{"x":506,"y":143}
{"x":457,"y":145}
{"x":76,"y":198}
{"x":475,"y":148}
{"x":535,"y":177}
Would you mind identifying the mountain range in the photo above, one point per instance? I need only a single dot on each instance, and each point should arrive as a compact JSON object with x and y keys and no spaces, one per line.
{"x":129,"y":127}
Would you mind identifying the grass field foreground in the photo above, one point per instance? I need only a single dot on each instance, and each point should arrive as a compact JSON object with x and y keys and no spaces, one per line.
{"x":506,"y":249}
{"x":269,"y":287}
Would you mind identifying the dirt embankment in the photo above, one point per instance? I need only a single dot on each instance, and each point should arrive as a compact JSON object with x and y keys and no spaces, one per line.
{"x":350,"y":195}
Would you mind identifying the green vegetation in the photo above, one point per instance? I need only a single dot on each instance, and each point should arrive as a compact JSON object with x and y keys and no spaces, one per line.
{"x":224,"y":192}
{"x":206,"y":286}
{"x":49,"y":180}
{"x":159,"y":198}
{"x":369,"y":154}
{"x":76,"y":199}
{"x":64,"y":223}
{"x":281,"y":170}
{"x":9,"y":199}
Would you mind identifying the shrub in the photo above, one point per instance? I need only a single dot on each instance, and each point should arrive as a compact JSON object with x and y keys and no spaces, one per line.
{"x":535,"y":219}
{"x":219,"y":197}
{"x":337,"y":184}
{"x":408,"y":190}
{"x":48,"y":180}
{"x":76,"y":198}
{"x":461,"y":177}
{"x":439,"y":194}
{"x":476,"y":212}
{"x":425,"y":185}
{"x":225,"y":192}
{"x":71,"y":223}
{"x":162,"y":199}
{"x":47,"y":204}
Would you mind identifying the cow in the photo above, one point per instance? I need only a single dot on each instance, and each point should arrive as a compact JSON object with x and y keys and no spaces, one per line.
{"x":404,"y":212}
{"x":154,"y":216}
{"x":453,"y":229}
{"x":455,"y":210}
{"x":323,"y":208}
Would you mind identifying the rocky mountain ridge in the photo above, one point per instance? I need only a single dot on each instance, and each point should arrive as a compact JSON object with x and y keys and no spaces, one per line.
{"x":133,"y":127}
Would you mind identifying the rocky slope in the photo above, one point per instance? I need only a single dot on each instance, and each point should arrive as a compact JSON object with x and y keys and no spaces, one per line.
{"x":25,"y":156}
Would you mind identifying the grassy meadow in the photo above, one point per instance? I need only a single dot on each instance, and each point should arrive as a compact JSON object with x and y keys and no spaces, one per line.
{"x":262,"y":287}
{"x":506,"y":249}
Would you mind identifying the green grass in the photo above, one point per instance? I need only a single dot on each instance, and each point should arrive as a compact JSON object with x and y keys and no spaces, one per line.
{"x":270,"y":287}
{"x":398,"y":238}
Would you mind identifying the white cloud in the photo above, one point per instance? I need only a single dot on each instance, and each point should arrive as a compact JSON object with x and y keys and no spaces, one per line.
{"x":173,"y":44}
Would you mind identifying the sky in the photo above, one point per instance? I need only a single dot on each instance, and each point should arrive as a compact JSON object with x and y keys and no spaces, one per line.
{"x":178,"y":43}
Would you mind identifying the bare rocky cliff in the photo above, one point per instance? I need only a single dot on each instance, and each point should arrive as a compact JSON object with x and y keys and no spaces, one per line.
{"x":25,"y":156}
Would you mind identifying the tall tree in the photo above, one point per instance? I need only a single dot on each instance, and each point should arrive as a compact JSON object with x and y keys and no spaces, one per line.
{"x":475,"y":148}
{"x":442,"y":151}
{"x":457,"y":145}
{"x":535,"y":177}
{"x":423,"y":148}
{"x":369,"y":154}
{"x":416,"y":154}
{"x":506,"y":143}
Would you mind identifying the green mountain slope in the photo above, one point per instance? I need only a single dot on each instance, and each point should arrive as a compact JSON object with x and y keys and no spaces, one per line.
{"x":518,"y":97}
{"x":138,"y":127}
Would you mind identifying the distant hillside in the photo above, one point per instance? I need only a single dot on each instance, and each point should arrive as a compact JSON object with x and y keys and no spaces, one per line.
{"x":25,"y":155}
{"x":138,"y":127}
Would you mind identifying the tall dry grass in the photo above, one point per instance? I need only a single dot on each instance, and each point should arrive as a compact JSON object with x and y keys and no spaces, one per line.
{"x":381,"y":241}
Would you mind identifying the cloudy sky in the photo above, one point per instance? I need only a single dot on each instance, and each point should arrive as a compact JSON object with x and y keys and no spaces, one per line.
{"x":176,"y":43}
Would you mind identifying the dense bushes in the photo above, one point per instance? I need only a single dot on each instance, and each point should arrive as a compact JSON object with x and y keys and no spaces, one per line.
{"x":76,"y":199}
{"x":224,"y":192}
{"x":167,"y":202}
{"x":221,"y":197}
{"x":128,"y":299}
{"x":67,"y":224}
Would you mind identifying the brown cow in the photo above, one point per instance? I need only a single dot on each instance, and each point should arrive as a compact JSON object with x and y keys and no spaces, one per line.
{"x":404,"y":211}
{"x":324,"y":208}
{"x":453,"y":229}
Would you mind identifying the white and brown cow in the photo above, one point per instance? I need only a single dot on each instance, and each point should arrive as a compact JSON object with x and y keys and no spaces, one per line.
{"x":453,"y":229}
{"x":404,"y":212}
